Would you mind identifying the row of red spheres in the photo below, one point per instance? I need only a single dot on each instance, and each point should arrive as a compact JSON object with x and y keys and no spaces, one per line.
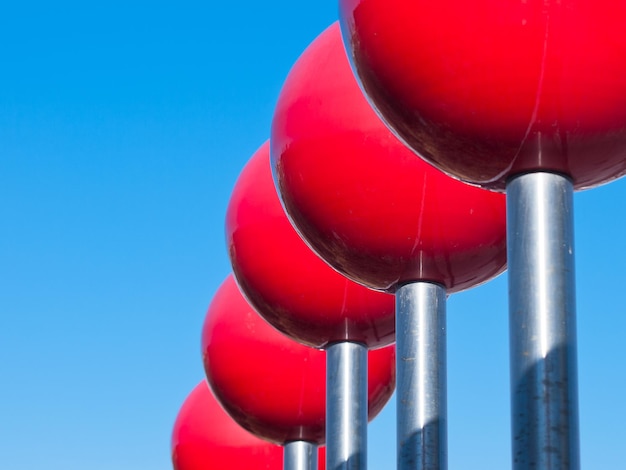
{"x":378,"y":214}
{"x":455,"y":236}
{"x":300,"y":294}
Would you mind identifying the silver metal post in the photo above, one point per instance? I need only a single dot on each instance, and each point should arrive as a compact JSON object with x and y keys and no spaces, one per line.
{"x":300,"y":455}
{"x":346,"y":406}
{"x":421,"y":377}
{"x":542,"y":322}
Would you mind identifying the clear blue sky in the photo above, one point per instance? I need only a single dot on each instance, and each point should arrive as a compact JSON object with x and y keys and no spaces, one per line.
{"x":123,"y":127}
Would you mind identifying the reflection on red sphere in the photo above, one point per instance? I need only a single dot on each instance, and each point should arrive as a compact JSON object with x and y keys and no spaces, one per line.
{"x":286,"y":282}
{"x":204,"y":437}
{"x":364,"y":201}
{"x":270,"y":384}
{"x":488,"y":89}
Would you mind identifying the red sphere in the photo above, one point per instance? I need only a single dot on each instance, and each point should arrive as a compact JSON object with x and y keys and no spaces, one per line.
{"x":204,"y":437}
{"x":489,"y":89}
{"x":270,"y":384}
{"x":362,"y":199}
{"x":286,"y":282}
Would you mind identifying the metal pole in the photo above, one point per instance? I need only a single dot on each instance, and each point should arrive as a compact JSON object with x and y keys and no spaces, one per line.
{"x":421,"y":376}
{"x":346,"y":406}
{"x":300,"y":455}
{"x":542,"y":322}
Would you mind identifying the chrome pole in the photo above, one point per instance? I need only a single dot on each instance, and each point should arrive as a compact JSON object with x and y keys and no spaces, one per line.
{"x":300,"y":455}
{"x":346,"y":406}
{"x":421,"y":377}
{"x":542,"y":322}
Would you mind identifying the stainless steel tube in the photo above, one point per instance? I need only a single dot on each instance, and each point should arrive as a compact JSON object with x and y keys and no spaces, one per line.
{"x":421,"y":377}
{"x":300,"y":455}
{"x":542,"y":319}
{"x":346,"y":406}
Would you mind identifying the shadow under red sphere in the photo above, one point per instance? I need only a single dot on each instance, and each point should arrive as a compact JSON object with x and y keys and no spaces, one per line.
{"x":204,"y":437}
{"x":488,"y":89}
{"x":271,"y":385}
{"x":288,"y":284}
{"x":362,"y":199}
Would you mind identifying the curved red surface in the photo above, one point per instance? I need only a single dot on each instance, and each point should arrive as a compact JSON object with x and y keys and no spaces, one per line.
{"x":270,"y":384}
{"x":488,"y":89}
{"x":204,"y":436}
{"x":363,"y":200}
{"x":286,"y":282}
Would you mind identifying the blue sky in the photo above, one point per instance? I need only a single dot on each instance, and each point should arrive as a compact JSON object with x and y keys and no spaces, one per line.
{"x":123,"y":127}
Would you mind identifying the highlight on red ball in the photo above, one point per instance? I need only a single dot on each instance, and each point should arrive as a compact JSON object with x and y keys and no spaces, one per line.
{"x":270,"y":384}
{"x":486,"y":90}
{"x":361,"y":199}
{"x":288,"y":284}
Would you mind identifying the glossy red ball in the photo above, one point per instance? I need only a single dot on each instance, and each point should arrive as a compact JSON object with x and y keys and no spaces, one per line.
{"x":489,"y":89}
{"x":362,"y":199}
{"x":204,"y":436}
{"x":270,"y":384}
{"x":286,"y":282}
